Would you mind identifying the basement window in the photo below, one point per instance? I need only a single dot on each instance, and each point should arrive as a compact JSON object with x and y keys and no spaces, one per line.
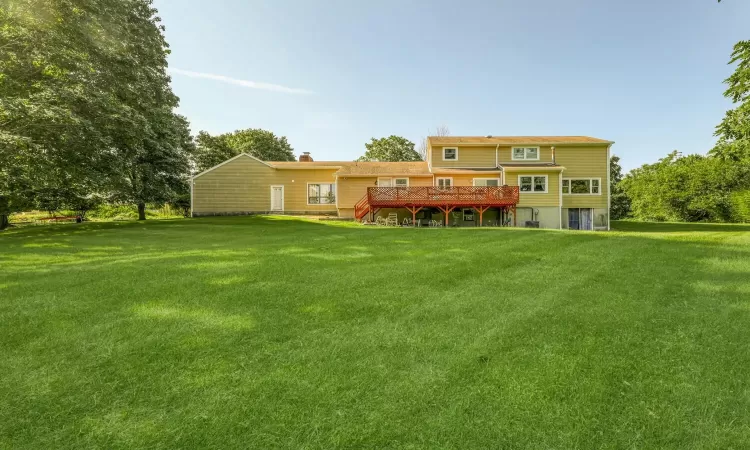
{"x":581,"y":186}
{"x":321,"y":194}
{"x":525,"y":154}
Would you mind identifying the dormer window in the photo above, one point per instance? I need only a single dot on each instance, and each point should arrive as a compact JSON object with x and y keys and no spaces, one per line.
{"x":525,"y":153}
{"x":450,"y":154}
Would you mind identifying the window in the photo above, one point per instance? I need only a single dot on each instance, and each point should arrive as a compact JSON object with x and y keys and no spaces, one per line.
{"x":321,"y":194}
{"x":486,"y":181}
{"x":533,"y":183}
{"x":468,"y":214}
{"x":444,"y":183}
{"x":401,"y":182}
{"x":526,"y":153}
{"x":450,"y":154}
{"x":581,"y":186}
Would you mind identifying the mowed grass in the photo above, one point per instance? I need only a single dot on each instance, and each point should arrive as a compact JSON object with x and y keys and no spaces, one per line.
{"x":260,"y":332}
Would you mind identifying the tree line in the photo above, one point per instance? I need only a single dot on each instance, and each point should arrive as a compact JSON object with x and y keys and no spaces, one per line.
{"x":714,"y":187}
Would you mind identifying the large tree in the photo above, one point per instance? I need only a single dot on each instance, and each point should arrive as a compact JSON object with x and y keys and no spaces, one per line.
{"x":619,"y":201}
{"x":392,"y":148}
{"x":734,"y":130}
{"x":439,"y":131}
{"x":262,"y":144}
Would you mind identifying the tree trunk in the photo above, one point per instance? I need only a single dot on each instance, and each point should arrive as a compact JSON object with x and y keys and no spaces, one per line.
{"x":141,"y":211}
{"x":4,"y":222}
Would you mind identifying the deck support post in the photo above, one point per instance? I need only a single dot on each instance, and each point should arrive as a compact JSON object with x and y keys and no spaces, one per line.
{"x":447,"y":210}
{"x":481,"y":210}
{"x":414,"y":210}
{"x":514,"y":215}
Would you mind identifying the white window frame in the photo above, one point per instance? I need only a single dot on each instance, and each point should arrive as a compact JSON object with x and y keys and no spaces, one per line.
{"x":591,"y":185}
{"x":307,"y":194}
{"x":472,"y":213}
{"x":450,"y":148}
{"x":437,"y":180}
{"x":400,"y":178}
{"x":532,"y":191}
{"x":270,"y":207}
{"x":474,"y":181}
{"x":390,"y":181}
{"x":525,"y":157}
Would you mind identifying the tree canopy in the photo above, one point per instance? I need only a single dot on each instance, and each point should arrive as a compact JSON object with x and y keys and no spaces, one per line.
{"x":262,"y":144}
{"x":392,"y":148}
{"x":85,"y":103}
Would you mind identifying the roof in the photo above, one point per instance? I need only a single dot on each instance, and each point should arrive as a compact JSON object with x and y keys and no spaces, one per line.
{"x":367,"y":168}
{"x":515,"y":140}
{"x":307,"y":164}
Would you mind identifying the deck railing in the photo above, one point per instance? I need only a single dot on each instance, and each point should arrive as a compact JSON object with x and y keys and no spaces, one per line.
{"x":433,"y":195}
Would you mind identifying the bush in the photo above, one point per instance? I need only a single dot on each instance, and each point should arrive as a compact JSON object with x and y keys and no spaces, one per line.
{"x":740,"y":205}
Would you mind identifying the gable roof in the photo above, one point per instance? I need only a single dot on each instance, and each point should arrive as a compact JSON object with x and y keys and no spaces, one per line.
{"x":228,"y":161}
{"x":515,"y":140}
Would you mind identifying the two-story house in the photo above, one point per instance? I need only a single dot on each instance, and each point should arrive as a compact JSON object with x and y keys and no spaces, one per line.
{"x":544,"y":181}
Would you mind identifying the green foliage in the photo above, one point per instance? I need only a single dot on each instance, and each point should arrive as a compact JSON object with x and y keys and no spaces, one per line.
{"x":619,"y":201}
{"x":734,"y":130}
{"x":740,"y":201}
{"x":85,"y":103}
{"x":182,"y":204}
{"x":392,"y":148}
{"x":262,"y":144}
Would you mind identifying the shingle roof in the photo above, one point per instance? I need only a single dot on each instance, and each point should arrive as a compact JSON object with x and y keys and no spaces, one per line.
{"x":306,"y":164}
{"x":384,"y":168}
{"x":515,"y":140}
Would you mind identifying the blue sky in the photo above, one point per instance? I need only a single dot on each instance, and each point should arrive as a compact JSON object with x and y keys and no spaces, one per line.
{"x":330,"y":75}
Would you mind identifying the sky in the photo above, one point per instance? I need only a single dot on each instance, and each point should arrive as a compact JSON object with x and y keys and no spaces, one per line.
{"x":329,"y":75}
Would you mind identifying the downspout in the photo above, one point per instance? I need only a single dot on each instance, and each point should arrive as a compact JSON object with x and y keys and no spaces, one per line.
{"x":496,"y":162}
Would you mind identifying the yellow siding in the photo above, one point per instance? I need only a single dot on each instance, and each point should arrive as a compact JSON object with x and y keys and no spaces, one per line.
{"x":550,"y":198}
{"x":584,"y":162}
{"x":468,"y":157}
{"x":244,"y":185}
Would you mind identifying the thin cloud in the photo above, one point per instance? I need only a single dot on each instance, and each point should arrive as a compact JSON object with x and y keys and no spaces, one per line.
{"x":243,"y":83}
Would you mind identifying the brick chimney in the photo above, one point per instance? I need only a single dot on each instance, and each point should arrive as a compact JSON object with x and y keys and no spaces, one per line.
{"x":305,"y":157}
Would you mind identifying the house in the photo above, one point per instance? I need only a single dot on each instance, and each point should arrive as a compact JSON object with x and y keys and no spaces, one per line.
{"x":525,"y":181}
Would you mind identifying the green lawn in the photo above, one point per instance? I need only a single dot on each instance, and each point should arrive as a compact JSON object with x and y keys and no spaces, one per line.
{"x":275,"y":332}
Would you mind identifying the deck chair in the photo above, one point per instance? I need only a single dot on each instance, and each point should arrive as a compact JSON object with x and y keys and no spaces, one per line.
{"x":392,"y":219}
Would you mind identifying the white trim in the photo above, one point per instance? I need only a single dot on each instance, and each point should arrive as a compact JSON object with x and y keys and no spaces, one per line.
{"x":513,"y":153}
{"x":230,"y":160}
{"x":307,"y":193}
{"x":336,"y":178}
{"x":474,"y":180}
{"x":400,"y":178}
{"x":590,"y":179}
{"x":609,"y":193}
{"x":450,"y":148}
{"x":390,"y":181}
{"x":532,"y":191}
{"x":191,"y":196}
{"x":282,"y":197}
{"x":437,"y":180}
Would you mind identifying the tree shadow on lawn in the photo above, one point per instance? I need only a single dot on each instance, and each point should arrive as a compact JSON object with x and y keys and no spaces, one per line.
{"x":677,"y":227}
{"x":607,"y":339}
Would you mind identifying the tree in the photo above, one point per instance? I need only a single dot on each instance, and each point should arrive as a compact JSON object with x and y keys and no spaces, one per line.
{"x":262,"y":144}
{"x":392,"y":148}
{"x":439,"y":131}
{"x":734,"y":130}
{"x":619,"y":202}
{"x":84,"y":95}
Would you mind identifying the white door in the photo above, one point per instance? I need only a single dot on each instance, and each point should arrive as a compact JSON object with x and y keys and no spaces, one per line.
{"x":277,"y":198}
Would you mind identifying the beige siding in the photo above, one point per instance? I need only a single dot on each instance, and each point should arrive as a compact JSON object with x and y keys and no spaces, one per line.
{"x":468,"y":157}
{"x":550,"y":198}
{"x":584,"y":162}
{"x":244,"y":185}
